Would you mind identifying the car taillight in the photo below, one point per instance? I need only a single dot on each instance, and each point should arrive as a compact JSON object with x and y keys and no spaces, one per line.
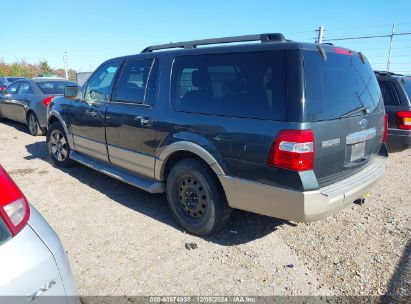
{"x":293,"y":149}
{"x":3,"y":87}
{"x":404,"y":120}
{"x":385,"y":134}
{"x":342,"y":51}
{"x":46,"y":101}
{"x":14,"y":208}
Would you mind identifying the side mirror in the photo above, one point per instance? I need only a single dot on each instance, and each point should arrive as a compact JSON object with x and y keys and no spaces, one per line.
{"x":70,"y":92}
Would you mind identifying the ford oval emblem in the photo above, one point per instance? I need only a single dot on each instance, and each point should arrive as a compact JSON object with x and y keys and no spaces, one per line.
{"x":363,"y":123}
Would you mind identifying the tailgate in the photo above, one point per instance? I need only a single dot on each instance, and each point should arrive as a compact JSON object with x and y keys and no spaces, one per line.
{"x":345,"y":110}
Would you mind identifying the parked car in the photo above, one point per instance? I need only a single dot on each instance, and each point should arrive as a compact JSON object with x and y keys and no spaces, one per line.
{"x":33,"y":261}
{"x":26,"y":101}
{"x":7,"y":80}
{"x":396,"y":91}
{"x":285,"y":129}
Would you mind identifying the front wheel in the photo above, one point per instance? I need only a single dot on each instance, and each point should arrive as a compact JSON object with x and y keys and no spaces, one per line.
{"x":58,"y":147}
{"x":195,"y":197}
{"x":34,"y":126}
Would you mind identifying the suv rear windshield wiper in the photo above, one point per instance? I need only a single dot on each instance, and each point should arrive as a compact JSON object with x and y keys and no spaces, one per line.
{"x":362,"y":108}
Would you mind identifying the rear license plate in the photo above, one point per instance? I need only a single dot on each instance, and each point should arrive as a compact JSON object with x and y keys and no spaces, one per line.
{"x":357,"y":151}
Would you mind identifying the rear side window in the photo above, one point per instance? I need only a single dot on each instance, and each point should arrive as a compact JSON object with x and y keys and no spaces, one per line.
{"x":338,"y":85}
{"x":388,"y":93}
{"x":25,"y":88}
{"x":251,"y":85}
{"x":54,"y":87}
{"x":134,"y":85}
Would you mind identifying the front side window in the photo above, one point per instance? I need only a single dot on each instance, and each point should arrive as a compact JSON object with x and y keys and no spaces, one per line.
{"x":388,"y":93}
{"x":250,"y":85}
{"x":25,"y":88}
{"x":133,"y":85}
{"x":12,"y":89}
{"x":101,"y":82}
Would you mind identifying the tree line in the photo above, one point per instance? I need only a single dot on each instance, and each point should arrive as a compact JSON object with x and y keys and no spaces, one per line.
{"x":25,"y":69}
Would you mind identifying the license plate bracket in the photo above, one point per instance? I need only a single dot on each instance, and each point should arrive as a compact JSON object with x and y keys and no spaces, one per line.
{"x":358,"y":151}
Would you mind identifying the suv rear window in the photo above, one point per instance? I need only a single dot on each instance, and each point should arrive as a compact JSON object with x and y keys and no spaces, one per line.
{"x":338,"y":85}
{"x":54,"y":87}
{"x":406,"y":83}
{"x":251,"y":84}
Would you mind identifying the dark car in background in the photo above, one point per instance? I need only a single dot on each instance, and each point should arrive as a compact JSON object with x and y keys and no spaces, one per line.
{"x":281,"y":128}
{"x":396,"y":91}
{"x":26,"y":101}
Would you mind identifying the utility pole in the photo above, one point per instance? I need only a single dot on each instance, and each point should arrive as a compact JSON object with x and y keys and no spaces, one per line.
{"x":389,"y":52}
{"x":65,"y":64}
{"x":320,"y":36}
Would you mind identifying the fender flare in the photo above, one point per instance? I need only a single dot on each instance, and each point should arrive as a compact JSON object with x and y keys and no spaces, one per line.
{"x":186,"y":146}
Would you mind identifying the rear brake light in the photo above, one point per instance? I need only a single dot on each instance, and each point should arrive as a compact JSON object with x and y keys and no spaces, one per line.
{"x":385,"y":134}
{"x":14,"y":208}
{"x":46,"y":101}
{"x":3,"y":87}
{"x":293,"y":149}
{"x":342,"y":51}
{"x":404,"y":120}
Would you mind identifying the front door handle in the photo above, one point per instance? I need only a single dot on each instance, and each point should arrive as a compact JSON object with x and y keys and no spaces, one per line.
{"x":144,"y":122}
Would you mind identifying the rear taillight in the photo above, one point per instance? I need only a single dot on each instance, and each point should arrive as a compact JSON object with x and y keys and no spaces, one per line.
{"x":46,"y":101}
{"x":3,"y":87}
{"x":385,"y":134}
{"x":14,"y":209}
{"x":404,"y":120}
{"x":293,"y":149}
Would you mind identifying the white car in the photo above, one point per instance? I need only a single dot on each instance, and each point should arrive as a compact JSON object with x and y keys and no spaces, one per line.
{"x":33,"y":262}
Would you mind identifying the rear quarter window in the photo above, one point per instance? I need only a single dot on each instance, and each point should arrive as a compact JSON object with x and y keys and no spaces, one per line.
{"x":338,"y":85}
{"x":406,"y":84}
{"x":250,"y":85}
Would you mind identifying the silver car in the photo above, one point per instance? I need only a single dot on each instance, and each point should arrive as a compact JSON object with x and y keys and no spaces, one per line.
{"x":33,"y":262}
{"x":26,"y":101}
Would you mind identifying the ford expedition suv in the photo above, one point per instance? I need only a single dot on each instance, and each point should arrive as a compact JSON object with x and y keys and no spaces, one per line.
{"x":396,"y":92}
{"x":285,"y":129}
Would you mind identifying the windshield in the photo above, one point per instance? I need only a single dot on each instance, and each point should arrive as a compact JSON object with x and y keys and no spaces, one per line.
{"x":406,"y":83}
{"x":338,"y":85}
{"x":54,"y":87}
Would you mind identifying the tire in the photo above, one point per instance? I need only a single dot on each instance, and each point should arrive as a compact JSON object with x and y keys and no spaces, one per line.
{"x":58,"y":147}
{"x":34,"y":126}
{"x":195,"y":197}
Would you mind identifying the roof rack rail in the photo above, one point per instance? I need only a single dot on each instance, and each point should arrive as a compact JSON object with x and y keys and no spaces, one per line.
{"x":269,"y":37}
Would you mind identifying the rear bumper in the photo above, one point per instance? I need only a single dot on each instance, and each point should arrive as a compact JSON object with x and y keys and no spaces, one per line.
{"x":302,"y":206}
{"x":398,"y":140}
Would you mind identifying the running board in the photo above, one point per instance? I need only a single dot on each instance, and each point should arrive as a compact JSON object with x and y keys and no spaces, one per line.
{"x":151,"y":186}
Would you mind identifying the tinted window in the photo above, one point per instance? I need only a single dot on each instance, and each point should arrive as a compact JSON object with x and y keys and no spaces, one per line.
{"x":406,"y":83}
{"x":133,"y":86}
{"x":12,"y":89}
{"x":101,"y":82}
{"x":25,"y":88}
{"x":338,"y":85}
{"x":54,"y":87}
{"x":248,"y":84}
{"x":388,"y":94}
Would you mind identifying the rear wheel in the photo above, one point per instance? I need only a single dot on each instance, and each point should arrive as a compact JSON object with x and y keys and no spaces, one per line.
{"x":34,"y":126}
{"x":195,"y":198}
{"x":58,"y":147}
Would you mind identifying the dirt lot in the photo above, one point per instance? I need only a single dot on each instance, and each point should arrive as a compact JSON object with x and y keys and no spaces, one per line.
{"x":123,"y":241}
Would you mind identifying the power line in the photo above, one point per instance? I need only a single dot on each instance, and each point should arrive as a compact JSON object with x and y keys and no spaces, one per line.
{"x":368,"y":37}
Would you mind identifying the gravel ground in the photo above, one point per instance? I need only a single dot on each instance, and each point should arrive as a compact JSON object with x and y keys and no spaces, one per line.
{"x":123,"y":241}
